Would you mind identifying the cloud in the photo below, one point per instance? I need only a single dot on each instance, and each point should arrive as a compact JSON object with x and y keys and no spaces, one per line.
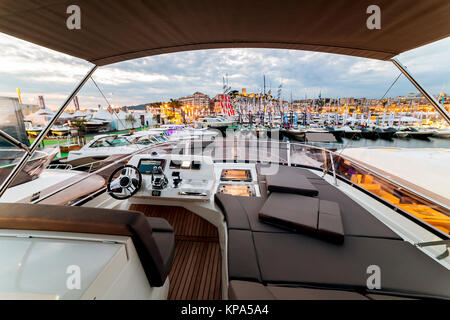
{"x":37,"y":70}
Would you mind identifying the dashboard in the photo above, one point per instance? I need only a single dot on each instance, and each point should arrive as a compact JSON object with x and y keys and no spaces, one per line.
{"x":147,"y":166}
{"x":175,"y":176}
{"x":192,"y":177}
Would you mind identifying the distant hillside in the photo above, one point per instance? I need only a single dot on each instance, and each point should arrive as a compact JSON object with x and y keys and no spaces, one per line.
{"x":141,"y":106}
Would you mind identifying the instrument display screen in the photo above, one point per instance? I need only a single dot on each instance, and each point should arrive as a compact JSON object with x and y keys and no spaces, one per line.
{"x":237,"y":190}
{"x":236,"y":175}
{"x":146,"y":165}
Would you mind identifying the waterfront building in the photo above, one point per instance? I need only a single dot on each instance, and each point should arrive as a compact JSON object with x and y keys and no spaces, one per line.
{"x":198,"y":99}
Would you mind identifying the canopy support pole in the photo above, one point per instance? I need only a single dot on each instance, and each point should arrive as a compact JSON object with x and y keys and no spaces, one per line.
{"x":428,"y":96}
{"x":13,"y":141}
{"x":43,"y":134}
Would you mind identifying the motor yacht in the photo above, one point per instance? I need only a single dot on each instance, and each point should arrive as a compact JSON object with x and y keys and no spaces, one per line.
{"x":32,"y":130}
{"x":39,"y":179}
{"x":442,"y":133}
{"x":62,"y":130}
{"x":100,"y":148}
{"x":422,"y":134}
{"x":239,"y":219}
{"x":350,"y":133}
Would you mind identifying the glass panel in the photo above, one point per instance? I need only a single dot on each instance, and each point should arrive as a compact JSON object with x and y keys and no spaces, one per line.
{"x":433,"y":214}
{"x":12,"y":122}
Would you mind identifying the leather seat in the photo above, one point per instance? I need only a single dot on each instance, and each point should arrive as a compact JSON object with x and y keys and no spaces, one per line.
{"x":289,"y":180}
{"x":266,"y":262}
{"x":291,"y":211}
{"x":159,"y":225}
{"x":155,"y":247}
{"x":320,"y":218}
{"x":245,"y":290}
{"x":300,"y":260}
{"x":356,"y":220}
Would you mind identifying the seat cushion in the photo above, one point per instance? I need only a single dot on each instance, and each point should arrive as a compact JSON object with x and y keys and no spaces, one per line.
{"x":299,"y":293}
{"x":356,"y":220}
{"x":243,"y":213}
{"x":165,"y":241}
{"x":290,"y":180}
{"x":242,"y":260}
{"x":234,"y":213}
{"x":301,"y":259}
{"x":330,"y":221}
{"x":247,"y":290}
{"x":159,"y":224}
{"x":291,"y":211}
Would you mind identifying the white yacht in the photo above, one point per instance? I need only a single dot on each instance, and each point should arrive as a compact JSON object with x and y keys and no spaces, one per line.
{"x":40,"y":179}
{"x":216,"y":122}
{"x":245,"y":219}
{"x":442,"y":133}
{"x":100,"y":148}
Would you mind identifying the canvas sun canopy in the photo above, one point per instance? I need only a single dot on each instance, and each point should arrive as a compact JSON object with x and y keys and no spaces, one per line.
{"x":117,"y":30}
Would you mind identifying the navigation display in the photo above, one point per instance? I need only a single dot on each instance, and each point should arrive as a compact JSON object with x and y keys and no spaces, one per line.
{"x":241,"y":190}
{"x":236,"y":175}
{"x":146,"y":165}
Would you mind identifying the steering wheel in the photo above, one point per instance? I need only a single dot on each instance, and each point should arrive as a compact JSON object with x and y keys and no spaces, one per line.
{"x":126,"y":184}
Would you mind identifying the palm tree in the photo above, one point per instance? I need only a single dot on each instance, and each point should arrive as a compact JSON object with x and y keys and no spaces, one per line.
{"x":80,"y":125}
{"x":130,"y":119}
{"x":233,"y":94}
{"x":174,"y":104}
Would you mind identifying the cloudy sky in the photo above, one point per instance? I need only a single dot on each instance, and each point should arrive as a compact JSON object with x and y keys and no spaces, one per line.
{"x":38,"y":71}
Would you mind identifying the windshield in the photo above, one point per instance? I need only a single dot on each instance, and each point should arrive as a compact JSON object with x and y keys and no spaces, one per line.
{"x":110,"y":142}
{"x":308,"y":104}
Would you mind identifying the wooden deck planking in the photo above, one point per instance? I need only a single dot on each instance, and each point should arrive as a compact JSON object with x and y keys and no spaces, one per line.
{"x":196,"y":271}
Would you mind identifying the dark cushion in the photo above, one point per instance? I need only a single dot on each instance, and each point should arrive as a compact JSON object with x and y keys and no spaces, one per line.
{"x":165,"y":242}
{"x":299,"y":293}
{"x":386,"y":297}
{"x":154,"y":256}
{"x":243,"y":213}
{"x":304,"y":172}
{"x":246,"y":290}
{"x":291,"y":211}
{"x":234,"y":213}
{"x":356,"y":220}
{"x":289,"y":180}
{"x":300,"y":259}
{"x":330,"y":221}
{"x":159,"y":224}
{"x":242,"y":260}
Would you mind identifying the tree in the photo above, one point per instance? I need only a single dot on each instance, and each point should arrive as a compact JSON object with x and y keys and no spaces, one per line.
{"x":233,"y":94}
{"x":79,"y":124}
{"x":174,"y":104}
{"x":130,"y":119}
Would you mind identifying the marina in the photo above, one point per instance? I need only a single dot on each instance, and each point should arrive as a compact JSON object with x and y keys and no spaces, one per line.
{"x":241,"y":196}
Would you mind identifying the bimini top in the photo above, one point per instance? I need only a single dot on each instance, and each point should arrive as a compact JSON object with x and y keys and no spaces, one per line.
{"x":117,"y":30}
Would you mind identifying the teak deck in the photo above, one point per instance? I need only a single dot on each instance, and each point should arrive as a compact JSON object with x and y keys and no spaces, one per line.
{"x":196,"y":271}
